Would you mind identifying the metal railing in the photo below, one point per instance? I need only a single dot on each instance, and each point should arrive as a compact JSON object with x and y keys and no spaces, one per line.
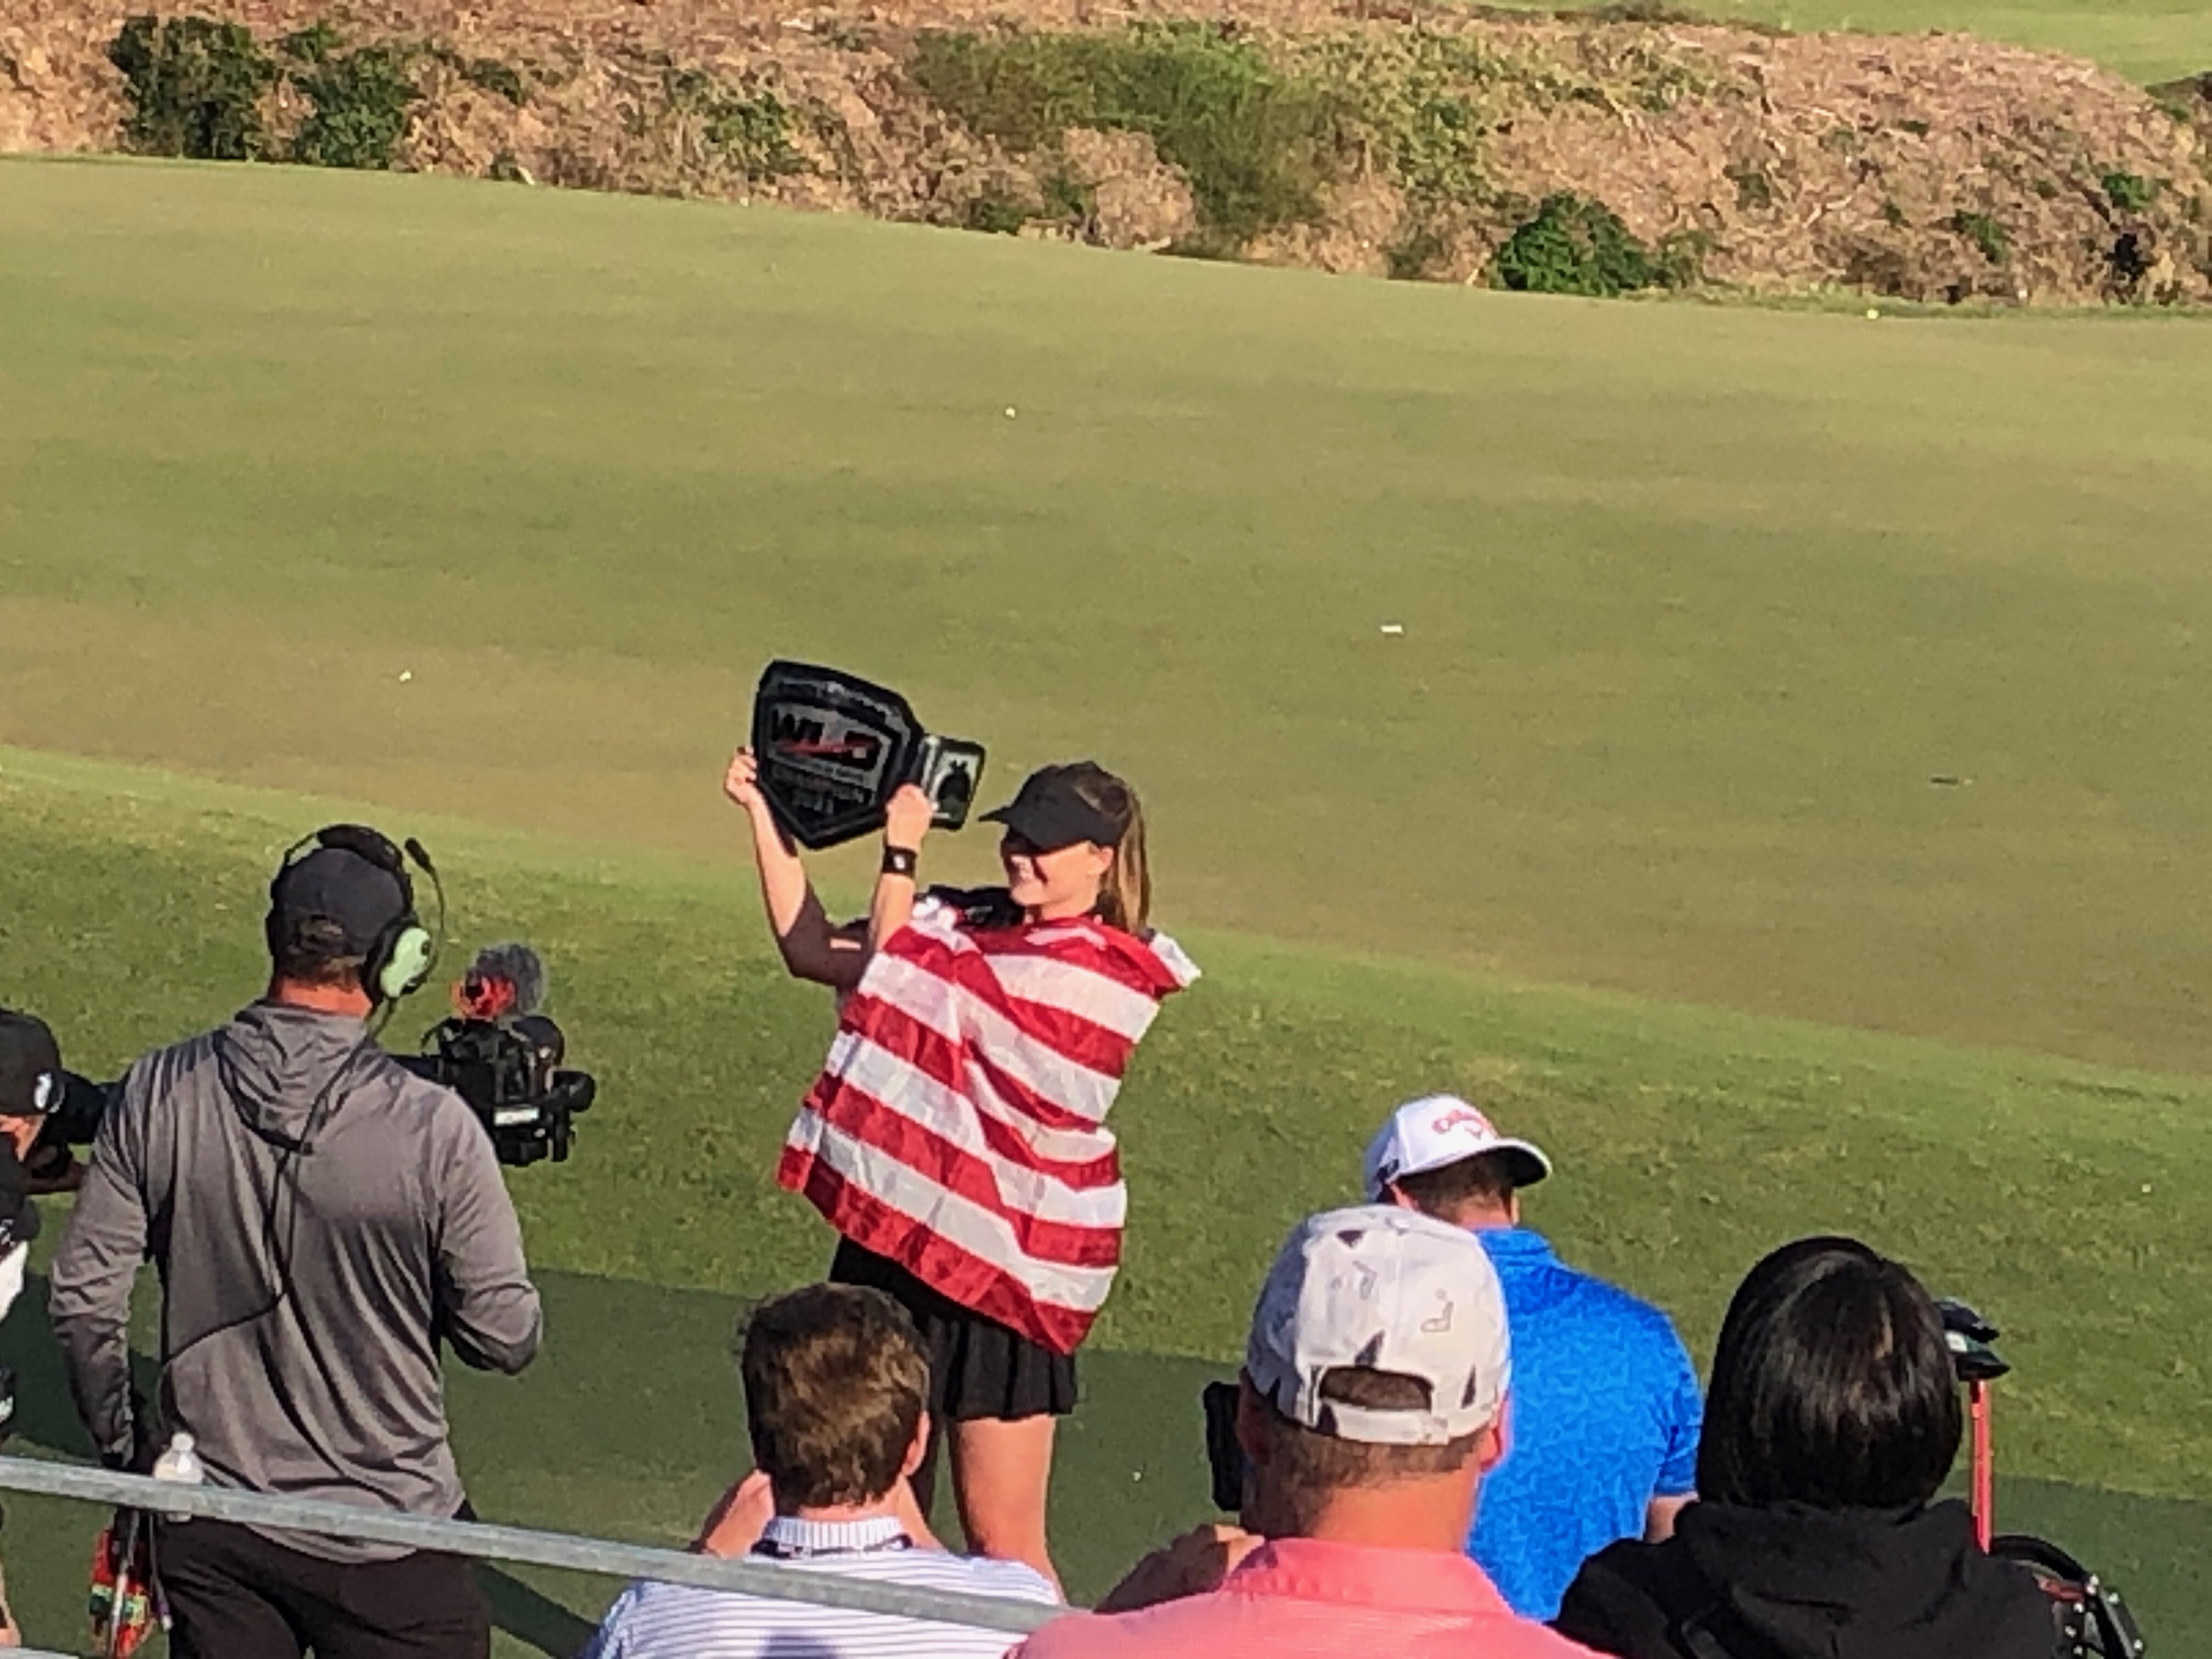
{"x":486,"y":1542}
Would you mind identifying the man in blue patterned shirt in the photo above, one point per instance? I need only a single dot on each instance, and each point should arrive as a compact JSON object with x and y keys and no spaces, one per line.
{"x":1602,"y":1426}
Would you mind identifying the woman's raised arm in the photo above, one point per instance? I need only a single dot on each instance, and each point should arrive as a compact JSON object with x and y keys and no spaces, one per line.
{"x":906,"y":821}
{"x":813,"y":948}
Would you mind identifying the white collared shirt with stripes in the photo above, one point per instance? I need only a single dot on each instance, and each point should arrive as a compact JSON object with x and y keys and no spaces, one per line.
{"x":678,"y":1621}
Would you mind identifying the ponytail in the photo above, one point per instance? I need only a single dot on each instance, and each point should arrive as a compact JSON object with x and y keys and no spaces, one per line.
{"x":1125,"y":894}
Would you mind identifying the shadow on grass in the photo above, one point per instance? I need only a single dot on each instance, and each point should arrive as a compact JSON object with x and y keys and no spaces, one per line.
{"x":530,"y":1616}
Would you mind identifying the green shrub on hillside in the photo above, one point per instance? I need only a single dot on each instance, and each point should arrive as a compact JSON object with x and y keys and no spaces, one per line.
{"x":502,"y":80}
{"x":997,"y":212}
{"x":195,"y":87}
{"x":1257,"y":144}
{"x":1420,"y":100}
{"x":2128,"y":192}
{"x":1679,"y":260}
{"x":316,"y":44}
{"x":490,"y":75}
{"x":1575,"y":245}
{"x":1985,"y":232}
{"x":1419,"y":249}
{"x":361,"y":102}
{"x":1754,"y":190}
{"x":749,"y":130}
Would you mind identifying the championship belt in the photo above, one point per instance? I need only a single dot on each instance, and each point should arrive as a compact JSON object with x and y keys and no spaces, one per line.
{"x":833,"y":750}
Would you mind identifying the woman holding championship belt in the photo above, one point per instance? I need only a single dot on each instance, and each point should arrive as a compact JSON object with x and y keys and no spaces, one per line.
{"x":956,"y":1136}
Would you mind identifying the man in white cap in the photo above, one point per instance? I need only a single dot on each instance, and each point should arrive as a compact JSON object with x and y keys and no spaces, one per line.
{"x":1370,"y":1406}
{"x":1603,"y":1438}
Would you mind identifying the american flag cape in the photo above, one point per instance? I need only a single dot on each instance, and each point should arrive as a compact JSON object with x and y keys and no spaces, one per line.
{"x":958,"y":1126}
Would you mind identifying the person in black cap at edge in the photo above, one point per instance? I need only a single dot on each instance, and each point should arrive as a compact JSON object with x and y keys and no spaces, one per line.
{"x":322,"y":1221}
{"x":31,"y":1087}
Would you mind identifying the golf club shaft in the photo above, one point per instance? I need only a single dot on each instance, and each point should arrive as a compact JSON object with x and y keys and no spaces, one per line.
{"x":1986,"y":1474}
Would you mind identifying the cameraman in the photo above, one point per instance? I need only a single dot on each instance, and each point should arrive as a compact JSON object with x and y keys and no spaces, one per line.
{"x":322,"y":1221}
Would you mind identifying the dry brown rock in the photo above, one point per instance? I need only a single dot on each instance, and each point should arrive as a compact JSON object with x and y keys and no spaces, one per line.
{"x":1138,"y":200}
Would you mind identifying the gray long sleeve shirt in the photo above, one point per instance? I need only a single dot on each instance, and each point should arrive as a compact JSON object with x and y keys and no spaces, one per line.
{"x":321,"y":1219}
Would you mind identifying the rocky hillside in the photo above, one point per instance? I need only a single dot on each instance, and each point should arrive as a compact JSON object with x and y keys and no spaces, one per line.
{"x":1595,"y":153}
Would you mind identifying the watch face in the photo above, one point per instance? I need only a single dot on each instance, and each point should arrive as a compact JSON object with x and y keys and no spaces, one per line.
{"x":831,"y":748}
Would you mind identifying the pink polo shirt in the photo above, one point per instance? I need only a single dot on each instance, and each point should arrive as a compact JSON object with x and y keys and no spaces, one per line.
{"x":1298,"y":1598}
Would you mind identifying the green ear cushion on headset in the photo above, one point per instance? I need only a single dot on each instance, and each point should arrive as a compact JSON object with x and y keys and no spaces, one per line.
{"x":408,"y":966}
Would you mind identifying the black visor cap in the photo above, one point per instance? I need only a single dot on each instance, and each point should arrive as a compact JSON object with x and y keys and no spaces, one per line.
{"x":30,"y":1066}
{"x":1049,"y":814}
{"x":332,"y":884}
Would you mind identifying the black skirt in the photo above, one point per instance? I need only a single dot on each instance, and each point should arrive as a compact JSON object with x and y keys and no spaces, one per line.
{"x":978,"y":1368}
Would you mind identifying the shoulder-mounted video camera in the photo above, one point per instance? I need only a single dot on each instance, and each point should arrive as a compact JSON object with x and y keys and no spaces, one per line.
{"x":833,"y":748}
{"x":502,"y":1056}
{"x":51,"y":1164}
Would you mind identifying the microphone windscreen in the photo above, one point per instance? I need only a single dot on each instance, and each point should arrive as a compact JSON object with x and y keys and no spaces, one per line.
{"x":520,"y":967}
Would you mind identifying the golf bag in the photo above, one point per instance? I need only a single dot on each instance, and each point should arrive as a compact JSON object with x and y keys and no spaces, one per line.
{"x":2091,"y":1620}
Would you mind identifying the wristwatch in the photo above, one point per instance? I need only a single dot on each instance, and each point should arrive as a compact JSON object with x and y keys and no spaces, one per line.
{"x":901,"y":861}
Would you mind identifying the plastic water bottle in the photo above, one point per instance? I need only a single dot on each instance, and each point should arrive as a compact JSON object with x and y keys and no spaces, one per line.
{"x":181,"y":1464}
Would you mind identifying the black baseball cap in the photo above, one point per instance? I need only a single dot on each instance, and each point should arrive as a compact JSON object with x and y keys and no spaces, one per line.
{"x":1049,"y":814}
{"x":31,"y":1082}
{"x":333,"y":884}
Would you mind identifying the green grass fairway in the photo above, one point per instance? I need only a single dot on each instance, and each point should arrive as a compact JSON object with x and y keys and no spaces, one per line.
{"x":1697,"y":601}
{"x":2147,"y":40}
{"x":1635,"y":832}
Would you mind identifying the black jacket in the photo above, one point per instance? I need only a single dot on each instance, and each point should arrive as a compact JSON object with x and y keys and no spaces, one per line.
{"x":1792,"y":1583}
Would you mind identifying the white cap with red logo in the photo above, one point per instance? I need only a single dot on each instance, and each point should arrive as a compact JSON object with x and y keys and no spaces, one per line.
{"x":1439,"y":1129}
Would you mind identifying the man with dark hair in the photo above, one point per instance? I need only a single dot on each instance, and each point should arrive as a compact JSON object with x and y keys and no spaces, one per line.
{"x":836,"y":1386}
{"x":1817,"y":1534}
{"x":323,"y":1220}
{"x":1606,"y":1411}
{"x":1371,"y":1400}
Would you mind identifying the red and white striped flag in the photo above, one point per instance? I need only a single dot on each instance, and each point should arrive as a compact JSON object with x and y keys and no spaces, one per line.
{"x":958,"y":1127}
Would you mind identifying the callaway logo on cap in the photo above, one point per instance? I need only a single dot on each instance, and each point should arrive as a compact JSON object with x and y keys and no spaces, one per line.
{"x":1439,"y":1129}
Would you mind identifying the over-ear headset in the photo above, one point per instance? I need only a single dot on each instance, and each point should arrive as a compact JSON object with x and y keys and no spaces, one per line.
{"x":404,"y":953}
